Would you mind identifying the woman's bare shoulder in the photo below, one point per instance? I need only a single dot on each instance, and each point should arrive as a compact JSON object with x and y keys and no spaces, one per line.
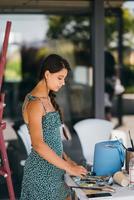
{"x":35,"y":107}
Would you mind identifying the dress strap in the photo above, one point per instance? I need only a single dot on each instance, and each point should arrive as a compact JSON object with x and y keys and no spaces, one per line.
{"x":42,"y":104}
{"x":30,"y":97}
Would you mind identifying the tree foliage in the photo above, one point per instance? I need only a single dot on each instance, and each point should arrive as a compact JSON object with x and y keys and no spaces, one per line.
{"x":77,"y":28}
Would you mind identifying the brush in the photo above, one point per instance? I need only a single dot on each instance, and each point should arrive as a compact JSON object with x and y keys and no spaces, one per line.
{"x":132,"y":144}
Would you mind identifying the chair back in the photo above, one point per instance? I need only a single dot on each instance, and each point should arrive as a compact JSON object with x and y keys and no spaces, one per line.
{"x":91,"y":131}
{"x":120,"y":135}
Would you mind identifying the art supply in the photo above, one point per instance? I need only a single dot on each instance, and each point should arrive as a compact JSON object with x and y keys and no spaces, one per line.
{"x":131,"y":140}
{"x":108,"y":149}
{"x":121,"y":179}
{"x":129,"y":155}
{"x":105,"y":188}
{"x":106,"y":194}
{"x":131,"y":172}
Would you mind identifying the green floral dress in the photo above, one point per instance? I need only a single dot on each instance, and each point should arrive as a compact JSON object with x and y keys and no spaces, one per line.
{"x":42,"y":180}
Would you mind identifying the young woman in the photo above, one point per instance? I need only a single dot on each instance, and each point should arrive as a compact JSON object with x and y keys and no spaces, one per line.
{"x":46,"y":165}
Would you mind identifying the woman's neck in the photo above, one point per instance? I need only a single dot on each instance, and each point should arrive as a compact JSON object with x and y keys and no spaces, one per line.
{"x":40,"y":89}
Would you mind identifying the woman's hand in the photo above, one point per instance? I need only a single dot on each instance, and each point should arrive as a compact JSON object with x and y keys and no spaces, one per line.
{"x":74,"y":169}
{"x":77,"y":170}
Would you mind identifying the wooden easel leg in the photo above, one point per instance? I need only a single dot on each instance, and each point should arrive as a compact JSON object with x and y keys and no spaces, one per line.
{"x":5,"y":170}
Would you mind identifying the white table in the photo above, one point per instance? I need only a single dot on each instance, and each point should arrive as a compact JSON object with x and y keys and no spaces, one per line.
{"x":122,"y":193}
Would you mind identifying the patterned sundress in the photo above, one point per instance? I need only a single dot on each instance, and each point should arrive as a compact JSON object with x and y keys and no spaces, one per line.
{"x":42,"y":180}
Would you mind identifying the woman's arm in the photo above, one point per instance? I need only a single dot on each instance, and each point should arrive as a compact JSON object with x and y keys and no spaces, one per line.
{"x":68,"y":159}
{"x":35,"y":113}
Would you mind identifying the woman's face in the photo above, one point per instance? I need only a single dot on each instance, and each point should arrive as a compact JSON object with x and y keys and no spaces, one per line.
{"x":56,"y":80}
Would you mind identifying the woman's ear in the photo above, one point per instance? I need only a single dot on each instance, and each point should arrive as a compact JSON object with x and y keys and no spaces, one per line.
{"x":47,"y":74}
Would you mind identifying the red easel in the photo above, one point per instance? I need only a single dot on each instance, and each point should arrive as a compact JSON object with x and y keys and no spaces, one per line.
{"x":4,"y":169}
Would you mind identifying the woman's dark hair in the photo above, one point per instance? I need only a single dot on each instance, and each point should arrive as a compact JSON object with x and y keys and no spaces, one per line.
{"x":53,"y":63}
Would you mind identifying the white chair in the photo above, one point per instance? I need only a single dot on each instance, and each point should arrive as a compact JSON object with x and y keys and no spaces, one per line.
{"x":120,"y":135}
{"x":25,"y":136}
{"x":91,"y":131}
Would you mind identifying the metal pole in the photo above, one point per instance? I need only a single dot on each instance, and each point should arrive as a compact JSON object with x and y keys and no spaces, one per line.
{"x":120,"y":61}
{"x":98,"y":56}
